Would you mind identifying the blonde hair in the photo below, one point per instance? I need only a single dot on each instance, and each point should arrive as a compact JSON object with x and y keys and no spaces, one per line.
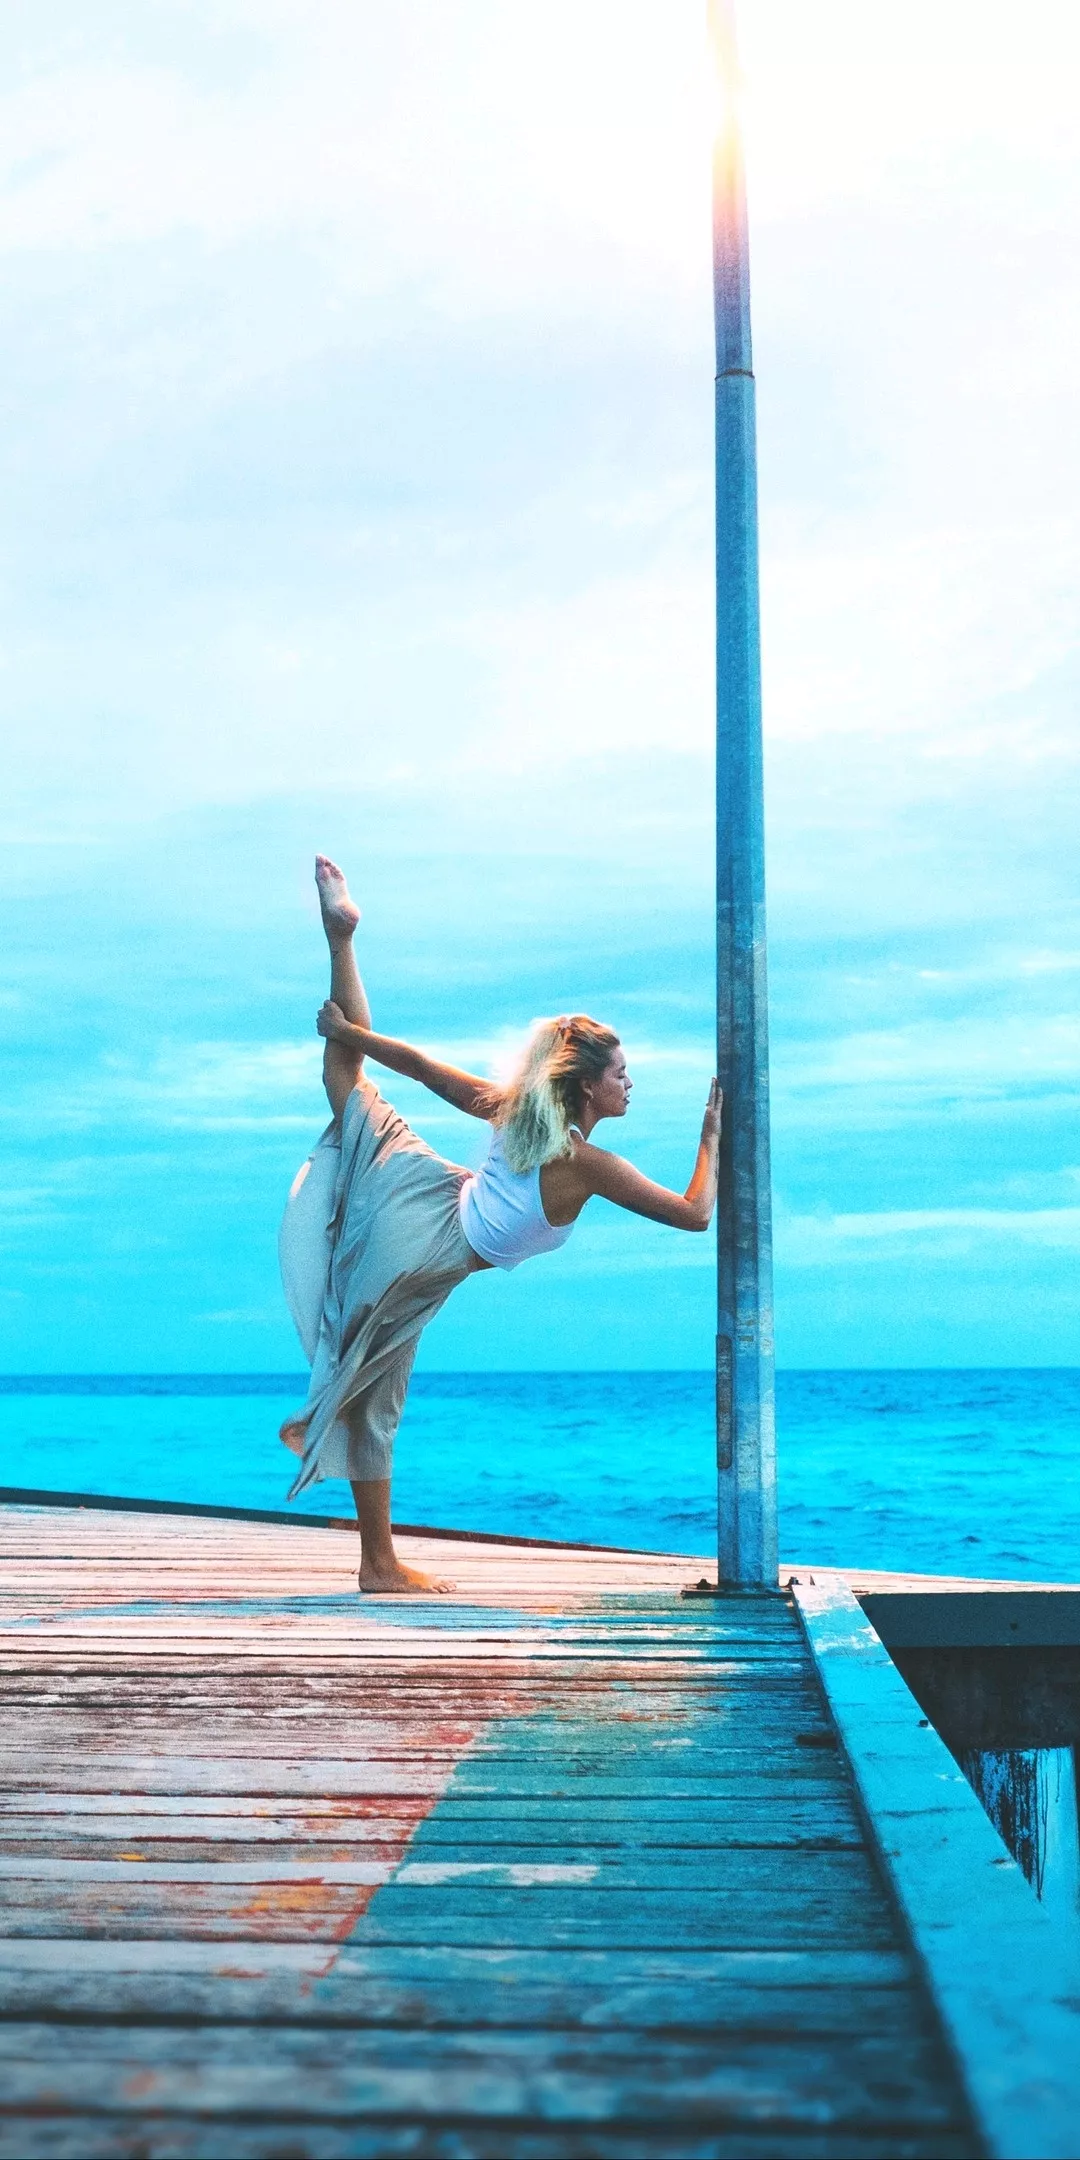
{"x":544,"y":1097}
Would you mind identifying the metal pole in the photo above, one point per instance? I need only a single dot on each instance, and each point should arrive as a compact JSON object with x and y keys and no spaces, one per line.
{"x":745,"y":1395}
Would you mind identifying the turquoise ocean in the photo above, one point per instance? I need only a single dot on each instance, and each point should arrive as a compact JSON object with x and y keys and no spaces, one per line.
{"x":974,"y":1473}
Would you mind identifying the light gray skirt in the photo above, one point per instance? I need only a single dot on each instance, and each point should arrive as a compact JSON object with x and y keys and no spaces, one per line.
{"x":371,"y":1246}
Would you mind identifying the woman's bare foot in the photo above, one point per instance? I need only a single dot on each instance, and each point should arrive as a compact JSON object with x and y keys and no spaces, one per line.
{"x":294,"y":1434}
{"x":340,"y":913}
{"x":393,"y":1575}
{"x":380,"y":1568}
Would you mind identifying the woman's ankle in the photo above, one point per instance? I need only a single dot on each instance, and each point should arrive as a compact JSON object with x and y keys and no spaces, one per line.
{"x":378,"y":1554}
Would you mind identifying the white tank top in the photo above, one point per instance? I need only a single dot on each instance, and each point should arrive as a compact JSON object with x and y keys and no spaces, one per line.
{"x":502,"y":1213}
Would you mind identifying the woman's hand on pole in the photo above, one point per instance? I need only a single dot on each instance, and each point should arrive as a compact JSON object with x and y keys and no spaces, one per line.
{"x":714,"y":1111}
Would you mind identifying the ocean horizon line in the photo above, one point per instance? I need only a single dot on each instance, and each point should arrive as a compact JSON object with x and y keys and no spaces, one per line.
{"x":279,"y":1383}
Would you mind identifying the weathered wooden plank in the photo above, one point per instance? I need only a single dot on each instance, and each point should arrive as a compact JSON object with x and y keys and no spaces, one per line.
{"x":294,"y":1912}
{"x":282,"y":1999}
{"x":307,"y":1911}
{"x":69,"y":1814}
{"x":731,"y":1811}
{"x":207,"y":1619}
{"x":91,"y":1837}
{"x":530,"y":1735}
{"x":255,"y":1775}
{"x":184,"y":2137}
{"x":219,"y":1718}
{"x":808,"y":1869}
{"x":811,"y":1768}
{"x":538,"y":1892}
{"x":236,"y":1731}
{"x":88,"y":1640}
{"x":459,"y":1989}
{"x":635,"y":1921}
{"x":528,"y":1778}
{"x":158,"y":1590}
{"x":209,"y":1682}
{"x":621,"y":1865}
{"x":150,"y":1623}
{"x":519,"y":1969}
{"x":55,"y":1625}
{"x":334,"y":1619}
{"x":536,"y":2076}
{"x":20,"y":1875}
{"x":161,"y":1601}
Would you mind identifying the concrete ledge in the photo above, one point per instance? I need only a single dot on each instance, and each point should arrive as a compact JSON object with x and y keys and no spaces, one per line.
{"x":990,"y":1619}
{"x":1004,"y":1976}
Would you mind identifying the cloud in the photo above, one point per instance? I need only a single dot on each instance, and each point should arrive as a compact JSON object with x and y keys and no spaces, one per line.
{"x":967,"y":1056}
{"x":362,"y":488}
{"x":841,"y":107}
{"x":941,"y":638}
{"x":203,"y":1086}
{"x":932,"y":1233}
{"x":339,"y":122}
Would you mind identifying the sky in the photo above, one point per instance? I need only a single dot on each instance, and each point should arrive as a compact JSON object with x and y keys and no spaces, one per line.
{"x":356,"y":494}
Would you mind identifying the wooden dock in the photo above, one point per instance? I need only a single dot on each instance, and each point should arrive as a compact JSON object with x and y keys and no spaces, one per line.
{"x":567,"y":1865}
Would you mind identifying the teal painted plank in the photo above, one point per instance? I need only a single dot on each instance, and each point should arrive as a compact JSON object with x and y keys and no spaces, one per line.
{"x":789,"y":1870}
{"x":785,"y":1870}
{"x":644,"y":1820}
{"x":701,"y":1777}
{"x":638,"y":1920}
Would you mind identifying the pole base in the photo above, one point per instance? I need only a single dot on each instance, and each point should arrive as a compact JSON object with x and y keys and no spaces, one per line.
{"x":703,"y":1588}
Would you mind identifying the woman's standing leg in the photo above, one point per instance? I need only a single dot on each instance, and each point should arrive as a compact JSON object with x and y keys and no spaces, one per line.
{"x":380,"y":1568}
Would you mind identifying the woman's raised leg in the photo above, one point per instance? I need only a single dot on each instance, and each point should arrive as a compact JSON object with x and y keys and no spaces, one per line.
{"x":340,"y":914}
{"x":341,"y":1066}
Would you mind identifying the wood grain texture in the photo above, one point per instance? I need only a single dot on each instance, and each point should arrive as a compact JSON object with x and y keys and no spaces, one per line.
{"x":561,"y":1865}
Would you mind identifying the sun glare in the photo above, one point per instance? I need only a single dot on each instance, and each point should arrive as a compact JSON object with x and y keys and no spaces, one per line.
{"x":725,"y":81}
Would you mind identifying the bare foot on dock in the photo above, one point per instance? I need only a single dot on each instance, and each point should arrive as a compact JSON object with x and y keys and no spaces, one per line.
{"x":294,"y":1434}
{"x":340,"y":913}
{"x":407,"y":1580}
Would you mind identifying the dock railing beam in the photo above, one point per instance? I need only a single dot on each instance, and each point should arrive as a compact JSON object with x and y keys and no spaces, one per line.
{"x":745,"y":1394}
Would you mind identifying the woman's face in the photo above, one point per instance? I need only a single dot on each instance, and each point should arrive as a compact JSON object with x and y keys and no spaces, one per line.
{"x":610,"y":1095}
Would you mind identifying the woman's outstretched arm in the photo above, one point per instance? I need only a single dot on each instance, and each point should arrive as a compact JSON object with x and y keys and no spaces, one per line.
{"x":611,"y":1178}
{"x":467,"y":1091}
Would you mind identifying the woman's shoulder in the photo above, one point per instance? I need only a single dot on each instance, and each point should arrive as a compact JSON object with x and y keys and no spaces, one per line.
{"x":587,"y":1160}
{"x":586,"y":1150}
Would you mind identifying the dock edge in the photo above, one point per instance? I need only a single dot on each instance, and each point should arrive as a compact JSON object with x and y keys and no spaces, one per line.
{"x":1003,"y":1974}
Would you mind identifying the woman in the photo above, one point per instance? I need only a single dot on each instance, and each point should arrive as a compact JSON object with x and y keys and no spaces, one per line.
{"x":378,"y":1228}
